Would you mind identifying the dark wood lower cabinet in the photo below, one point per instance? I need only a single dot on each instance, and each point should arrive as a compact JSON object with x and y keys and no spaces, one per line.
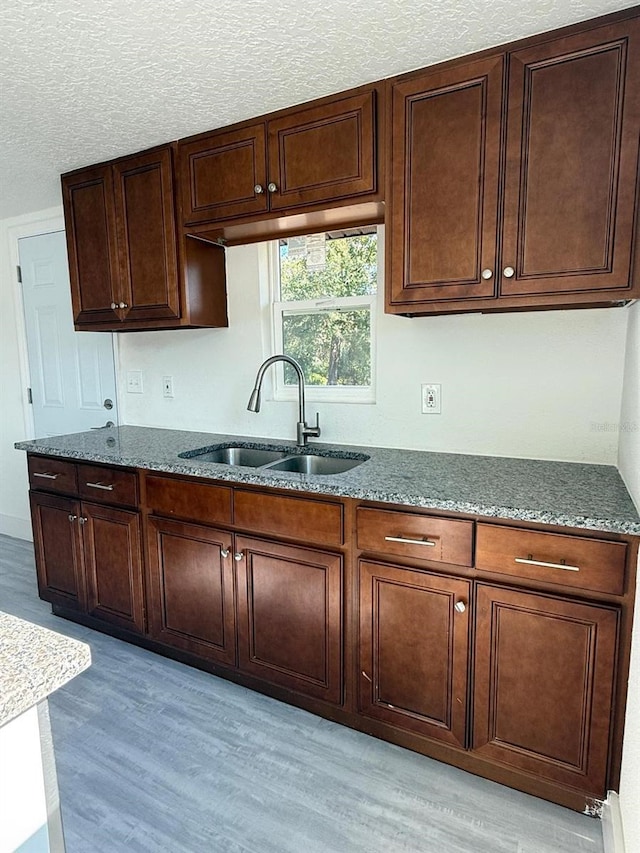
{"x":290,"y":616}
{"x":113,"y":562}
{"x":544,"y":678}
{"x":58,"y":551}
{"x":191,"y":589}
{"x":414,"y":650}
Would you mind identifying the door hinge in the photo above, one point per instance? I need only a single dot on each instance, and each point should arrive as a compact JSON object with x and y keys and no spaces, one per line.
{"x":19,"y":273}
{"x":29,"y":396}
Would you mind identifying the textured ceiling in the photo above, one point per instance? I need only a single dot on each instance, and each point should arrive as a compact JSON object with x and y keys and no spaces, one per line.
{"x":85,"y":80}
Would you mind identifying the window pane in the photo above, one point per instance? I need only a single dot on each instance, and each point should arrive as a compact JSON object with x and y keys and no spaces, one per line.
{"x":316,"y":266}
{"x":333,"y":347}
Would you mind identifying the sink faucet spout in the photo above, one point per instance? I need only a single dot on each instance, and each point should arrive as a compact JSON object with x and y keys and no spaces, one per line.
{"x":303,"y":430}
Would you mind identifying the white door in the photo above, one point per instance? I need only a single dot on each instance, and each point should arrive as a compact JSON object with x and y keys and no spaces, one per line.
{"x":73,"y":383}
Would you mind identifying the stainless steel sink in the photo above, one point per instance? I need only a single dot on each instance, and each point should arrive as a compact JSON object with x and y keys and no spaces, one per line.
{"x":308,"y":463}
{"x":249,"y":457}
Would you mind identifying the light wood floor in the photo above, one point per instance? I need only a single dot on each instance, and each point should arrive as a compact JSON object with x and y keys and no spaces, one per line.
{"x":155,"y":756}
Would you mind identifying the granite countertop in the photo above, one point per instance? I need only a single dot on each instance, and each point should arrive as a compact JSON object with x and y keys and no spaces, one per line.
{"x":33,"y":663}
{"x":569,"y":494}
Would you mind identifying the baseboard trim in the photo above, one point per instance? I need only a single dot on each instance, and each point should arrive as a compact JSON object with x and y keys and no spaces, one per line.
{"x":19,"y":528}
{"x":612,"y":833}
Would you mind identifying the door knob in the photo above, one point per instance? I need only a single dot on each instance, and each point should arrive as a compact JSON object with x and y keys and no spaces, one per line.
{"x":460,"y":606}
{"x":486,"y":274}
{"x":224,"y":552}
{"x":258,"y":189}
{"x":72,"y":517}
{"x":272,"y":187}
{"x":108,"y":404}
{"x":114,"y":305}
{"x":508,"y":272}
{"x":238,"y":556}
{"x":123,"y":305}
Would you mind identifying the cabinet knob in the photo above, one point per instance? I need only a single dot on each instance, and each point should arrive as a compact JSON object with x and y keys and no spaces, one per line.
{"x":72,"y":517}
{"x":114,"y":305}
{"x":508,"y":272}
{"x":238,"y":556}
{"x":272,"y":187}
{"x":123,"y":305}
{"x":224,"y":552}
{"x":460,"y":606}
{"x":258,"y":189}
{"x":83,"y":519}
{"x":487,"y":274}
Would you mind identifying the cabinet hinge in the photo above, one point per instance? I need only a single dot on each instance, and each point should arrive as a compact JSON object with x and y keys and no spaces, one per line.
{"x":29,"y":396}
{"x":19,"y":273}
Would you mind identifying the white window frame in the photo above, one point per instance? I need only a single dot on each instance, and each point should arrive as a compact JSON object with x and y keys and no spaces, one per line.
{"x":321,"y":393}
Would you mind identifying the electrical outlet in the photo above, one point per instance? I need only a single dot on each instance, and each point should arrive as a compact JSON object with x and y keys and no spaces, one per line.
{"x":134,"y":382}
{"x":431,"y":399}
{"x":167,"y":386}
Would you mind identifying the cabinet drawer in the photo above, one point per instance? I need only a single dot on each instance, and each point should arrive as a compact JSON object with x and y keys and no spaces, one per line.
{"x":552,"y":557}
{"x":108,"y":485}
{"x":297,"y":518}
{"x":189,"y":500}
{"x":443,"y":540}
{"x":52,"y":475}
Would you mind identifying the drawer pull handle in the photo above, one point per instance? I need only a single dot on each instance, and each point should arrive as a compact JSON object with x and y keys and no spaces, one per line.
{"x":531,"y":562}
{"x":45,"y":476}
{"x":429,"y":542}
{"x":102,"y":486}
{"x":367,"y":677}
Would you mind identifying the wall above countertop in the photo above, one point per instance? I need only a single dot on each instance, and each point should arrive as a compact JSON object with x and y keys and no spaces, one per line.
{"x":543,"y":385}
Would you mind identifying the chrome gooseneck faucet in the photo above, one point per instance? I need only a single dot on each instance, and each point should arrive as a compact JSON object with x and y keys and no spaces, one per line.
{"x":304,"y":431}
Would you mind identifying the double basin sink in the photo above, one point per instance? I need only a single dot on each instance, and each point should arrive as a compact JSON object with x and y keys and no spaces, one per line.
{"x":270,"y":459}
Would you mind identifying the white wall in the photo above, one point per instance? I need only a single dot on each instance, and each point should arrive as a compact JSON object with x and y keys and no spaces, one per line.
{"x":538,"y":385}
{"x":629,"y":464}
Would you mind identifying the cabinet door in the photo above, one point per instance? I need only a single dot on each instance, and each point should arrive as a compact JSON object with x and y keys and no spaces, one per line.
{"x":572,"y":155}
{"x":445,"y":161}
{"x":323,"y":153}
{"x":143,"y":191}
{"x":224,"y":175}
{"x":414,"y":650}
{"x":290,"y":617}
{"x":89,"y":216}
{"x":191,"y":594}
{"x":113,"y":563}
{"x":544,"y":675}
{"x":58,"y":553}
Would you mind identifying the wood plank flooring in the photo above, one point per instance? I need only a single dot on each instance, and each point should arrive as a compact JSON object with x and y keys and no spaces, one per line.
{"x":155,"y":756}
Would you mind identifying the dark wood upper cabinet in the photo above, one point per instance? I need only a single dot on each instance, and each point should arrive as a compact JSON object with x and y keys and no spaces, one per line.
{"x":143,"y":191}
{"x":543,"y":685}
{"x":90,"y":222}
{"x":564,"y":143}
{"x":129,"y":266}
{"x":320,"y":154}
{"x":571,"y":163}
{"x":444,"y":183}
{"x":224,"y":174}
{"x":414,"y":650}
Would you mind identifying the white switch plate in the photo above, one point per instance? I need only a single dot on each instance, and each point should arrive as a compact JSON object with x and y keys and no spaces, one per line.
{"x":134,"y":382}
{"x":167,"y":386}
{"x":431,"y":399}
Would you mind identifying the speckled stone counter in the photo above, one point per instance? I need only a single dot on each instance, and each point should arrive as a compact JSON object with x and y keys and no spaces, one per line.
{"x":563,"y":493}
{"x":33,"y":663}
